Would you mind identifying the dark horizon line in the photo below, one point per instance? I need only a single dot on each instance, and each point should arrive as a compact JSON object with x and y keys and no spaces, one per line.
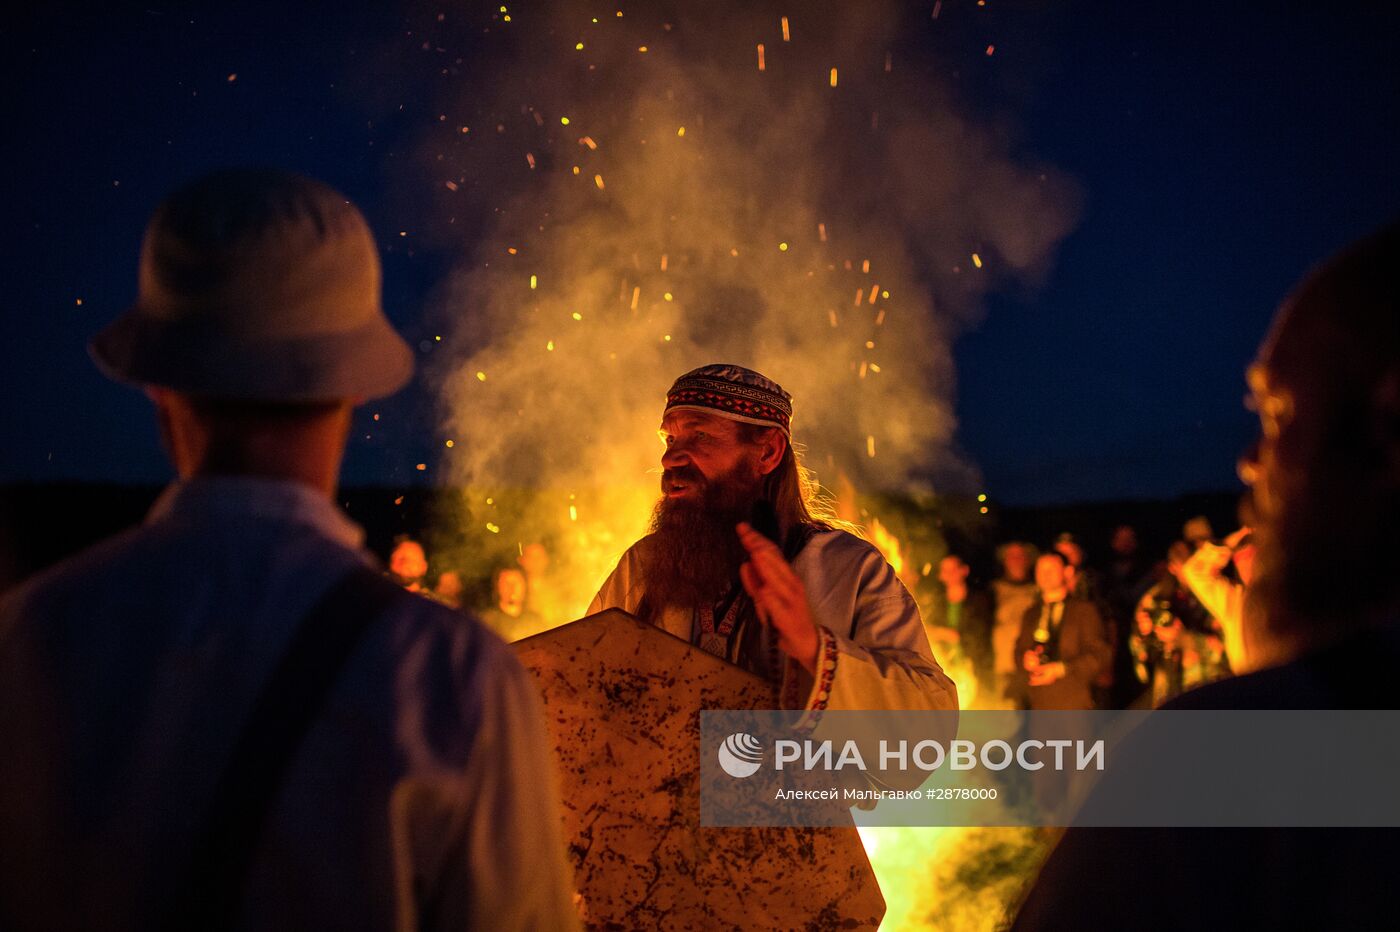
{"x":8,"y":485}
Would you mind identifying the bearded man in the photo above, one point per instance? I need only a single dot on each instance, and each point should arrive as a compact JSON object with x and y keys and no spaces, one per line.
{"x":808,"y":606}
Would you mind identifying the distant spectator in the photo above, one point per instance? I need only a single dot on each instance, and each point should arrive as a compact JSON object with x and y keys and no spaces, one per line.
{"x":1012,"y":594}
{"x":1126,"y":577}
{"x":1176,"y":595}
{"x":1197,"y":531}
{"x":1084,"y":580}
{"x":543,"y":598}
{"x":1084,"y":583}
{"x":1125,"y":560}
{"x":408,"y":564}
{"x":1167,"y":608}
{"x":449,"y":588}
{"x":1061,"y":651}
{"x":509,"y":614}
{"x":960,"y":629}
{"x":1171,"y":654}
{"x":1125,"y":574}
{"x":1062,"y":646}
{"x":1217,"y":575}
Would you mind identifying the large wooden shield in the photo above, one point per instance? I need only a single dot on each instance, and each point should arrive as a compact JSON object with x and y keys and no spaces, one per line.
{"x":622,"y":699}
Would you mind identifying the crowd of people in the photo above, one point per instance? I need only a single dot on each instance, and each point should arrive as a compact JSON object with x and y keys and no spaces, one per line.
{"x":1053,"y":630}
{"x":232,"y":717}
{"x":521,"y":601}
{"x":1057,"y":630}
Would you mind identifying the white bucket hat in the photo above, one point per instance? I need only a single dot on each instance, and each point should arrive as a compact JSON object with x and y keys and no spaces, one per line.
{"x":258,"y":285}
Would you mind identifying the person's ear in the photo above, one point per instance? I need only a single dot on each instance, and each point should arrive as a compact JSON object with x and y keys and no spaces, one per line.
{"x":770,"y":451}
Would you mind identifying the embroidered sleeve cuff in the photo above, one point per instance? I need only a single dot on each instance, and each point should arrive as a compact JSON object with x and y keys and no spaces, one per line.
{"x":822,"y":679}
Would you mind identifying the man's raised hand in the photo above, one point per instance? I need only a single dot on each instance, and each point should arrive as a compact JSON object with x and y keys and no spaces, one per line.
{"x":779,"y":597}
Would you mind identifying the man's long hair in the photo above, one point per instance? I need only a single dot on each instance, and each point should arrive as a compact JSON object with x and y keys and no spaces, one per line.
{"x":792,"y":489}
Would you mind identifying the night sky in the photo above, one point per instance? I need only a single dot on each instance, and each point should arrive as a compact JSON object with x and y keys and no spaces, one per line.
{"x":1219,"y":151}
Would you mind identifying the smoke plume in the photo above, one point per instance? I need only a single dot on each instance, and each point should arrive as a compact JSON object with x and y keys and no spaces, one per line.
{"x":766,"y":185}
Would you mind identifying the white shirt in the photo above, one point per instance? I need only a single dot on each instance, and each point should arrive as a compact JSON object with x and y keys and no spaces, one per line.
{"x":421,"y":798}
{"x":874,"y":652}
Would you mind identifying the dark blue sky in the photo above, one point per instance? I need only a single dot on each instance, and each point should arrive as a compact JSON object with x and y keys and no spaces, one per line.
{"x":1220,"y":150}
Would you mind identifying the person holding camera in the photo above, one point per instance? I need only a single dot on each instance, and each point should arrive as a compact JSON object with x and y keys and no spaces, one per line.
{"x":1176,"y":644}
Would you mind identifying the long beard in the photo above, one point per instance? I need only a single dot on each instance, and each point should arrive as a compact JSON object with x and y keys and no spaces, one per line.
{"x":693,"y":554}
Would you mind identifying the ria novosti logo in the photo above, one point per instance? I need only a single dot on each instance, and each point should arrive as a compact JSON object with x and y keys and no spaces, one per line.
{"x":740,"y":755}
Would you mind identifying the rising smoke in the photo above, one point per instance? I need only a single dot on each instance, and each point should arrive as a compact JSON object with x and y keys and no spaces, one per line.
{"x":658,"y":201}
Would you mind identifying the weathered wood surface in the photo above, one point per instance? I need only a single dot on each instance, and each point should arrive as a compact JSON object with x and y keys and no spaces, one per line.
{"x":622,"y":700}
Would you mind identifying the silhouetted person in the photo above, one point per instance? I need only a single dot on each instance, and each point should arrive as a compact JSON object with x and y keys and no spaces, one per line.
{"x":1321,"y":618}
{"x":228,"y":717}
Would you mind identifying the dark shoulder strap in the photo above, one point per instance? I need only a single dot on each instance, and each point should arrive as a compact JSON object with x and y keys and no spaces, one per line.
{"x":216,"y":874}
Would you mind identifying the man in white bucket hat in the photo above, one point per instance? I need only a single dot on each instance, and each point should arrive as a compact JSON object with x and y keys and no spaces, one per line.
{"x":227,"y":718}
